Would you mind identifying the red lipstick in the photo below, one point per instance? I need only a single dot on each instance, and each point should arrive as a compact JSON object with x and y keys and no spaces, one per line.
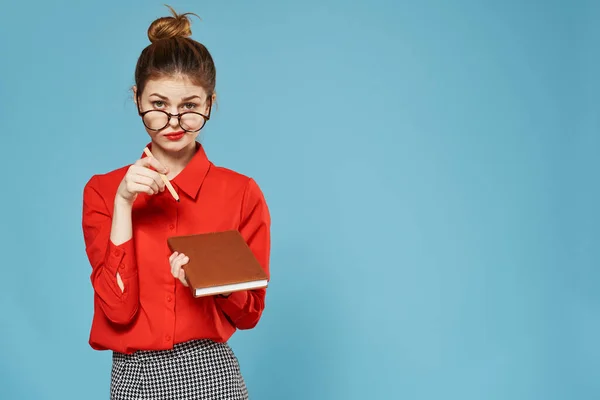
{"x":175,"y":135}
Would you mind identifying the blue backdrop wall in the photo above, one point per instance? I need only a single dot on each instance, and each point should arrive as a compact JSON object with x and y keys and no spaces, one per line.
{"x":430,"y":167}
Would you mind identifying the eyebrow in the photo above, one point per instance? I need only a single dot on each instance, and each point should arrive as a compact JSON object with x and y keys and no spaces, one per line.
{"x":182,"y":99}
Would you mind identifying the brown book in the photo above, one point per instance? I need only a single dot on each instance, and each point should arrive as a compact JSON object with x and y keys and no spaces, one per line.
{"x":219,"y":262}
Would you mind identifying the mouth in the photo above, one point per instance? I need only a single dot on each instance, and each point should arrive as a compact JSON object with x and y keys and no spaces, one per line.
{"x":174,"y":135}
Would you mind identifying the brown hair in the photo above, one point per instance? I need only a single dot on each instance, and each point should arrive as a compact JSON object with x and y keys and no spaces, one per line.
{"x":172,"y":52}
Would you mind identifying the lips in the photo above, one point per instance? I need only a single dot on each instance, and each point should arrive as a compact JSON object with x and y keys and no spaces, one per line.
{"x":175,"y":135}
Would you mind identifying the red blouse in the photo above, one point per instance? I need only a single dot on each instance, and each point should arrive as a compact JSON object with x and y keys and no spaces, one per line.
{"x":155,"y":310}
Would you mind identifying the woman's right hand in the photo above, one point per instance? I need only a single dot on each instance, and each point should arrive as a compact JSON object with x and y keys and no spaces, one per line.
{"x":140,"y":178}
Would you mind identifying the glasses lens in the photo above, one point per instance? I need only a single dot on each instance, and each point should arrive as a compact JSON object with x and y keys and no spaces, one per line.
{"x":156,"y":120}
{"x":191,"y":121}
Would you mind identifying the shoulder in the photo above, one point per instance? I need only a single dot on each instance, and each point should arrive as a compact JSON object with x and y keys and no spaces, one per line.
{"x":234,"y":179}
{"x":239,"y":184}
{"x":229,"y":175}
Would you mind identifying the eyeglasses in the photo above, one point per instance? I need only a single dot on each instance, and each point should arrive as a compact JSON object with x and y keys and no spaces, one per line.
{"x":189,"y":121}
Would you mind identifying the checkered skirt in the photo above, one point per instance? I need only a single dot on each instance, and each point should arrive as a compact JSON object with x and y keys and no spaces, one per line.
{"x":199,"y":369}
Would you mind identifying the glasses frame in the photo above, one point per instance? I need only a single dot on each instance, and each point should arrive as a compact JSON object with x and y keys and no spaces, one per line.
{"x":169,"y":116}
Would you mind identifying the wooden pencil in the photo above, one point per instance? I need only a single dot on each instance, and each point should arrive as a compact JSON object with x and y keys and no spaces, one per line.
{"x":164,"y":177}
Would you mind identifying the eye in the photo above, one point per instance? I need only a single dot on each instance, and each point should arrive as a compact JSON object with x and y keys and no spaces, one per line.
{"x":190,"y":106}
{"x":158,"y":103}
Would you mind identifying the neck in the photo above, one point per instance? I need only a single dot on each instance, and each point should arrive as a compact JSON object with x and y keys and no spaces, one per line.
{"x":174,"y":161}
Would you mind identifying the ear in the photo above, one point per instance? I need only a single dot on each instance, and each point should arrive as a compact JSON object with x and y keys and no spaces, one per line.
{"x":213,"y":100}
{"x":134,"y":90}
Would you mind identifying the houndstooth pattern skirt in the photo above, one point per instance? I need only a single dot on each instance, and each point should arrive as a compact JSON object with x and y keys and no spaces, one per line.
{"x":198,"y":370}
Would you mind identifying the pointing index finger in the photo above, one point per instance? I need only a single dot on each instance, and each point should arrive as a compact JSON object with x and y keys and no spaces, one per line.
{"x":154,"y":162}
{"x":162,"y":170}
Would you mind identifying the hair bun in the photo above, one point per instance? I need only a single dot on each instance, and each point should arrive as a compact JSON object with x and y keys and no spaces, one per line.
{"x":178,"y":25}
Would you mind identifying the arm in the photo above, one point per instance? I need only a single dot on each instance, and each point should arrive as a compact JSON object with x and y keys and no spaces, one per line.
{"x":110,"y":250}
{"x":244,"y":308}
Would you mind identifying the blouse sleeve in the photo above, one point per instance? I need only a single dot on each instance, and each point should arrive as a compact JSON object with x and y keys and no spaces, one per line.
{"x":244,"y":308}
{"x":106,"y":259}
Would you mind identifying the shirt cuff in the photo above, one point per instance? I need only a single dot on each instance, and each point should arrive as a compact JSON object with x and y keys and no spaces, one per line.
{"x":119,"y":259}
{"x":233,"y":303}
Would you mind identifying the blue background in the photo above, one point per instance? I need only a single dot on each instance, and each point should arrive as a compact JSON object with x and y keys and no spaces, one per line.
{"x":431,"y":170}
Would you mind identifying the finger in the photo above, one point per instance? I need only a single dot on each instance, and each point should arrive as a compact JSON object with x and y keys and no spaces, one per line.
{"x":145,"y":180}
{"x":159,"y":183}
{"x":148,"y":173}
{"x":139,"y":188}
{"x":179,"y":261}
{"x":151,"y":162}
{"x":172,"y":256}
{"x":174,"y":266}
{"x":182,"y":278}
{"x":182,"y":261}
{"x":176,"y":257}
{"x":152,"y":175}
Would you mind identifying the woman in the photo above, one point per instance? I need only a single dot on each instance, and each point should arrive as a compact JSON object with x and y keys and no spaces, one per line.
{"x":167,"y":344}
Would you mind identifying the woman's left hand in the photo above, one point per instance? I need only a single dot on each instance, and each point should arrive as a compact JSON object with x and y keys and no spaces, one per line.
{"x":178,"y":260}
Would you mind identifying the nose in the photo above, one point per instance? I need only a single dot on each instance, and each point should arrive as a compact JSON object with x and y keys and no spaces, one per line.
{"x":173,"y":120}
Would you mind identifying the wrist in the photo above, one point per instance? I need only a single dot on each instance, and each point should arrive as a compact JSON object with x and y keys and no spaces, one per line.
{"x":122,"y":203}
{"x":121,"y":229}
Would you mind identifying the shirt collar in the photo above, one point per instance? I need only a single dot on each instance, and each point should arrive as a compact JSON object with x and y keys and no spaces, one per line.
{"x":191,"y":177}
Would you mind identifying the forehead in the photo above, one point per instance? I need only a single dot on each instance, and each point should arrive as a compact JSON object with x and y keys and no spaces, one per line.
{"x":173,"y":87}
